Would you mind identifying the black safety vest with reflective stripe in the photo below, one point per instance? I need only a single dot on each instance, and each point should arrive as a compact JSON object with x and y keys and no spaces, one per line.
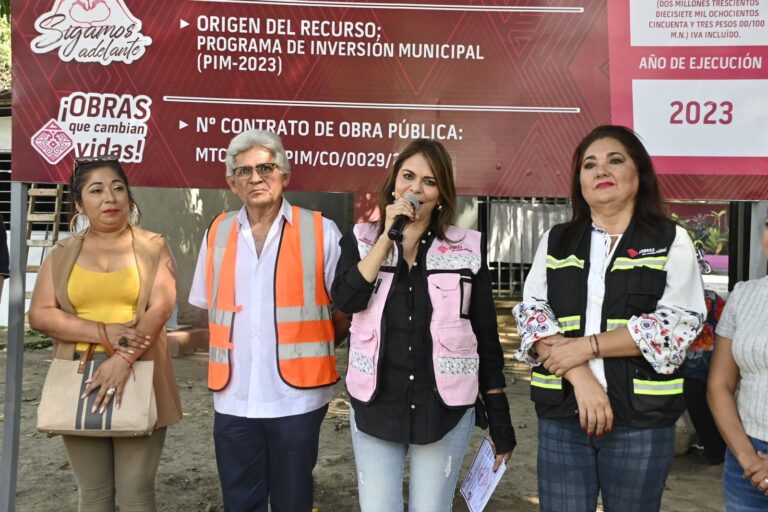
{"x":635,"y":280}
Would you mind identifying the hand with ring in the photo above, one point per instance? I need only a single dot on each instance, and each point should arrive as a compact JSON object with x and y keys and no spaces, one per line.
{"x":126,"y":339}
{"x":107,"y":382}
{"x":757,"y":472}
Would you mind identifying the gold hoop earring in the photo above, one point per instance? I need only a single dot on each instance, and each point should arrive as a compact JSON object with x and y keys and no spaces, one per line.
{"x":134,"y":216}
{"x":85,"y":223}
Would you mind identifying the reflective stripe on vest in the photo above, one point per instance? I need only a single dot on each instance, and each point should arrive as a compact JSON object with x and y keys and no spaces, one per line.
{"x":220,"y":278}
{"x":615,"y":323}
{"x":570,"y":261}
{"x":569,"y":323}
{"x":541,"y":380}
{"x":218,"y":355}
{"x":654,"y":262}
{"x":304,"y":329}
{"x":655,"y":387}
{"x":305,"y":336}
{"x":309,"y":349}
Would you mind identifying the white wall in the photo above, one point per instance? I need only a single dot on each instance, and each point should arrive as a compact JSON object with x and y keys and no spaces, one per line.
{"x":5,"y":134}
{"x":34,"y":258}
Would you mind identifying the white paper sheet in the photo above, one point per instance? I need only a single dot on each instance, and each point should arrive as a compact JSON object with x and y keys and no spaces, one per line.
{"x":481,"y":481}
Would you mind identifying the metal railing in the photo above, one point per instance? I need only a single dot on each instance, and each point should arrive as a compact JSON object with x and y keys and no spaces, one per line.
{"x":513,"y":227}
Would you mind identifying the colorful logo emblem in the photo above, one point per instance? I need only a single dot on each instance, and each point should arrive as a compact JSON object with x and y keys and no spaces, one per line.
{"x":632,"y":253}
{"x":52,"y":142}
{"x":102,"y":31}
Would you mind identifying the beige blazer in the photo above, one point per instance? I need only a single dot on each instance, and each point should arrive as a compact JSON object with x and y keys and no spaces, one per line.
{"x":147,"y":247}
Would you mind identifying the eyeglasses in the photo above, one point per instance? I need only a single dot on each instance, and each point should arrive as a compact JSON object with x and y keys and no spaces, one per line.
{"x":245,"y":172}
{"x":82,"y":160}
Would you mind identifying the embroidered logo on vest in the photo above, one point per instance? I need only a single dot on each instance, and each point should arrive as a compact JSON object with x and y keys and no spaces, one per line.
{"x":652,"y":251}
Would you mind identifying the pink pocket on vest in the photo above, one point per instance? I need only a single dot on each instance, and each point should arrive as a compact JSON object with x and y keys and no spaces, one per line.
{"x":457,"y":336}
{"x":456,"y":363}
{"x":445,"y":293}
{"x":363,"y":358}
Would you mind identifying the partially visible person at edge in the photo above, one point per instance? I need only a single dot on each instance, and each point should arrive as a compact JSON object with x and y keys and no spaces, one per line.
{"x":696,"y":370}
{"x":4,"y":263}
{"x":613,"y":300}
{"x":112,"y":285}
{"x":262,"y":274}
{"x":423,"y":339}
{"x":740,"y":361}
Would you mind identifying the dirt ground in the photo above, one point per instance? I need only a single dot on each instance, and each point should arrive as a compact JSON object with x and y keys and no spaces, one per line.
{"x":187,"y":479}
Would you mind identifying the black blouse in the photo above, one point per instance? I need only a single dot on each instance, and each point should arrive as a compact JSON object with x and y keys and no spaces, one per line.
{"x":407,"y":407}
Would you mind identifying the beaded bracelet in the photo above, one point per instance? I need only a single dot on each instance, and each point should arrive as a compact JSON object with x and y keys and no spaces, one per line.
{"x":596,"y":350}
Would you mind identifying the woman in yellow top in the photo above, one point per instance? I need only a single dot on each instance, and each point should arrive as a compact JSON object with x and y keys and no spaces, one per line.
{"x":112,"y":285}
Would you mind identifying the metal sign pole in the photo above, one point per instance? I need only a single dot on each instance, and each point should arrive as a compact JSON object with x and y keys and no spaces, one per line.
{"x":15,"y":350}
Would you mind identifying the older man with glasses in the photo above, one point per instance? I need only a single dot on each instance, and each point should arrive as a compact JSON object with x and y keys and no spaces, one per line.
{"x":263,"y":275}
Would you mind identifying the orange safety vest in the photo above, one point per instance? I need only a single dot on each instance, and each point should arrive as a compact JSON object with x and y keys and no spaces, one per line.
{"x":303,"y":326}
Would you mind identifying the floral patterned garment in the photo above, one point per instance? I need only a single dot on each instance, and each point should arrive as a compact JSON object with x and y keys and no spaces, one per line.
{"x":699,"y":355}
{"x":535,"y":321}
{"x":664,"y":336}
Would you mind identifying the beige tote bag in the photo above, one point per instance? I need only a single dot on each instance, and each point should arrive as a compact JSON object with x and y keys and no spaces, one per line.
{"x":62,"y":411}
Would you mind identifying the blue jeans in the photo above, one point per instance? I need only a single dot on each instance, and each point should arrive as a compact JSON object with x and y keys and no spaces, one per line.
{"x":434,"y":469}
{"x":628,"y":465}
{"x":740,"y":495}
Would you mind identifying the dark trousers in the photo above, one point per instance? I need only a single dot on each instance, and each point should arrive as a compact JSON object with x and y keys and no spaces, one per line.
{"x":264,"y":460}
{"x":695,"y":392}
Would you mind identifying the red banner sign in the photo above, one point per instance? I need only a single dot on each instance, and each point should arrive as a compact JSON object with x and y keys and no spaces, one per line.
{"x":508,"y":88}
{"x":691,"y":77}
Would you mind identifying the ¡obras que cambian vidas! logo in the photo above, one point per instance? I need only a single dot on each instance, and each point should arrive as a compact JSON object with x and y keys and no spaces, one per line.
{"x":102,"y":31}
{"x":92,"y":123}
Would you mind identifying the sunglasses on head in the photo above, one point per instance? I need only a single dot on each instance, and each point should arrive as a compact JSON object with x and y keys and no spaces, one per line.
{"x":82,"y":160}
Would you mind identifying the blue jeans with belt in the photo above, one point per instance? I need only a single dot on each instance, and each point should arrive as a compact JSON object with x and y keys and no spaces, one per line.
{"x":739,"y":493}
{"x":628,"y":466}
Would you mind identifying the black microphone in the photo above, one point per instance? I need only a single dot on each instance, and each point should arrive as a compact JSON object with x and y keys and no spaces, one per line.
{"x":396,"y":231}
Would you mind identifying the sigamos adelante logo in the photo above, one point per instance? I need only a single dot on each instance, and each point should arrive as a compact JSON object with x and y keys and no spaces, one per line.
{"x":102,"y":31}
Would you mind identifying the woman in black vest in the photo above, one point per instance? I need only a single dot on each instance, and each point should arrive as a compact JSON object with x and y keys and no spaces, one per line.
{"x":611,"y":303}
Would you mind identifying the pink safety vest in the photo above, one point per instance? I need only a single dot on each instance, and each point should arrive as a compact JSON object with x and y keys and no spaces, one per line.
{"x":454,"y":345}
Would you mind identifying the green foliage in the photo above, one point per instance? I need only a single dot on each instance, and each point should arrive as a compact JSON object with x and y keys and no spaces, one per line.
{"x":5,"y":53}
{"x":710,"y":231}
{"x":5,"y":10}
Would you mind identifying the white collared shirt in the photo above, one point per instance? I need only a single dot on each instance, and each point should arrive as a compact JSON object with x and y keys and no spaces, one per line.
{"x":255,"y":389}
